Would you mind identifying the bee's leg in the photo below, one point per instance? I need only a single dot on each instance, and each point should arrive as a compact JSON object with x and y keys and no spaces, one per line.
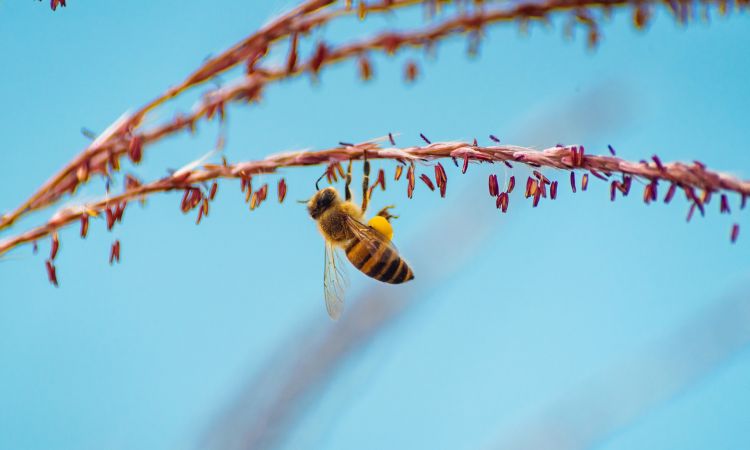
{"x":365,"y":185}
{"x":347,"y":187}
{"x":387,"y":215}
{"x":381,"y":222}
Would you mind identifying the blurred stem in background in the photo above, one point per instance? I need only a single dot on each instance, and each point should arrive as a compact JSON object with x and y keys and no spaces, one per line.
{"x":619,"y":396}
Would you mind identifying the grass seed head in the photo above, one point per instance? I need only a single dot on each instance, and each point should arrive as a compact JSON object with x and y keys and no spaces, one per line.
{"x":670,"y":193}
{"x":724,"y":204}
{"x":365,"y":68}
{"x":381,"y":179}
{"x":281,"y":190}
{"x":502,"y":201}
{"x":410,"y":179}
{"x":51,"y":272}
{"x":411,"y":72}
{"x":82,"y":173}
{"x":110,"y":218}
{"x":493,"y":186}
{"x":441,"y":179}
{"x":530,"y":187}
{"x":84,"y":225}
{"x":427,"y":181}
{"x":319,"y":57}
{"x":135,"y":149}
{"x":114,"y":252}
{"x":691,"y":210}
{"x":55,"y":245}
{"x":658,"y":163}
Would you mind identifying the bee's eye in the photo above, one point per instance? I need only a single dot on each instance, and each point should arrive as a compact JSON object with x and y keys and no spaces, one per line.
{"x":326,"y":198}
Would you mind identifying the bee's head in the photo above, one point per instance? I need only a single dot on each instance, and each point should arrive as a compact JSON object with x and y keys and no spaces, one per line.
{"x":321,"y":201}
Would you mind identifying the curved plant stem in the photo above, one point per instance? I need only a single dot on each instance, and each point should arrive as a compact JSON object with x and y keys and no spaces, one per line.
{"x":690,"y":177}
{"x":121,"y":137}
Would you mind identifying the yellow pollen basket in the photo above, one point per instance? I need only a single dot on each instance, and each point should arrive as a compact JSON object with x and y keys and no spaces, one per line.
{"x":382,"y":225}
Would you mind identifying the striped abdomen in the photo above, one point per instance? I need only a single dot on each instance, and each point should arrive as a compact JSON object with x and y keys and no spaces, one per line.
{"x":384,"y":264}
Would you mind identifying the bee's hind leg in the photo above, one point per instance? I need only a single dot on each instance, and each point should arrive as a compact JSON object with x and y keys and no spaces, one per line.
{"x":365,"y":184}
{"x":347,"y":186}
{"x":385,"y":214}
{"x":382,"y":222}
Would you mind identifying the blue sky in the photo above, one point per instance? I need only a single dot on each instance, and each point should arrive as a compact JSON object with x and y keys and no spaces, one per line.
{"x":509,"y":316}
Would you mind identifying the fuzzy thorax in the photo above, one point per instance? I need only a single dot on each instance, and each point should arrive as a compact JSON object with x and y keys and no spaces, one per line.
{"x":331,"y":213}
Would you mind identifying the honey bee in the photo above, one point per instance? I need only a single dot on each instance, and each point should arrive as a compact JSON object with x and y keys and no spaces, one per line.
{"x":367,"y":246}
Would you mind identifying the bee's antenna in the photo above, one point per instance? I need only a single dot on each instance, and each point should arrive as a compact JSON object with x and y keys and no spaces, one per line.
{"x":316,"y":183}
{"x":302,"y":201}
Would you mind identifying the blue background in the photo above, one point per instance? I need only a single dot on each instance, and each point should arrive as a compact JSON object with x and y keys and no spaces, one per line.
{"x":581,"y":323}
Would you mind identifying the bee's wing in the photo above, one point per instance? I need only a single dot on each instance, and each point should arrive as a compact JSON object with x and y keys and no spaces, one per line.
{"x":369,"y":236}
{"x":334,"y":282}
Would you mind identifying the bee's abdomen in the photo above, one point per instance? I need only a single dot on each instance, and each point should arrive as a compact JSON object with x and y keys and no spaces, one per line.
{"x":384,"y":264}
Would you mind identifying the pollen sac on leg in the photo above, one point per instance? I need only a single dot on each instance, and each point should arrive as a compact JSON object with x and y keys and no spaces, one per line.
{"x":382,"y":225}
